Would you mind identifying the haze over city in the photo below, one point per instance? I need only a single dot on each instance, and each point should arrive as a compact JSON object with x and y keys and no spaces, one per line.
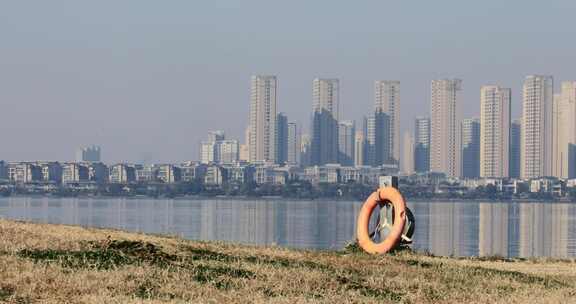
{"x":147,"y":80}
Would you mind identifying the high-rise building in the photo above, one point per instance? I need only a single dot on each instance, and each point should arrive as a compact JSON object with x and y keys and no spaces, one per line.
{"x":470,"y":148}
{"x":495,"y":107}
{"x":325,"y":101}
{"x":293,"y":144}
{"x":263,"y":102}
{"x":407,"y":160}
{"x":378,"y":144}
{"x":537,"y":104}
{"x":564,"y":131}
{"x":422,"y":144}
{"x":346,"y":142}
{"x":387,"y":100}
{"x":89,"y":154}
{"x":445,"y":126}
{"x":515,"y":140}
{"x":359,"y":149}
{"x":282,"y":138}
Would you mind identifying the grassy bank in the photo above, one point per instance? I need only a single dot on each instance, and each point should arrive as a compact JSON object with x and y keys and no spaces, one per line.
{"x":64,"y":264}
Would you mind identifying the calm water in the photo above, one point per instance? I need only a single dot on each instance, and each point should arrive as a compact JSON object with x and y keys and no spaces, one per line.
{"x":442,"y":228}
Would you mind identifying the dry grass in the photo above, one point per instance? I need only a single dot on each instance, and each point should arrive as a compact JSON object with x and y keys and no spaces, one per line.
{"x":64,"y":264}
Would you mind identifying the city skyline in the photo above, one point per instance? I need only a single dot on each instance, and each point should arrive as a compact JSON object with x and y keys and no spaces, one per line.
{"x":138,"y":83}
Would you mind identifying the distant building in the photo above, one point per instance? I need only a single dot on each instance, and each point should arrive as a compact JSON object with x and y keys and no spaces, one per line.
{"x":387,"y":100}
{"x":168,"y":173}
{"x":495,"y":108}
{"x":145,"y":173}
{"x":3,"y":170}
{"x":564,"y":131}
{"x":346,"y":142}
{"x":325,"y":99}
{"x":217,"y":135}
{"x":122,"y":174}
{"x":305,"y":151}
{"x":219,"y":150}
{"x":263,"y":101}
{"x":23,"y":172}
{"x":515,"y":140}
{"x":359,"y":149}
{"x":407,"y":160}
{"x":378,"y":144}
{"x":445,"y":126}
{"x":215,"y":176}
{"x":470,"y":132}
{"x":89,"y":154}
{"x":281,"y":138}
{"x":51,"y":172}
{"x":537,"y":143}
{"x":192,"y":171}
{"x":422,"y":145}
{"x":293,"y":144}
{"x":74,"y":173}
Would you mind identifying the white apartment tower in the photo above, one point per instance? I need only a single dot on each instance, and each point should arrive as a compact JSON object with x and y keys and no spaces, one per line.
{"x":537,"y":122}
{"x":445,"y":127}
{"x":495,"y":106}
{"x":262,"y":126}
{"x":564,"y":131}
{"x":387,"y":100}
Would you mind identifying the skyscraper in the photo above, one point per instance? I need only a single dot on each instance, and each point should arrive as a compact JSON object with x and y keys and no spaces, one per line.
{"x":407,"y":160}
{"x":564,"y":131}
{"x":281,"y":138}
{"x":470,"y":148}
{"x":515,"y":146}
{"x":378,"y":144}
{"x":537,"y":104}
{"x":293,"y":144}
{"x":346,"y":142}
{"x":325,"y":103}
{"x":495,"y":107}
{"x":422,"y":144}
{"x":445,"y":126}
{"x":263,"y":101}
{"x":359,"y":149}
{"x":387,"y":100}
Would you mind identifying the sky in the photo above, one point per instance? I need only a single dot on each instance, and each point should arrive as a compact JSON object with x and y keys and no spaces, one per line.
{"x":146,"y":80}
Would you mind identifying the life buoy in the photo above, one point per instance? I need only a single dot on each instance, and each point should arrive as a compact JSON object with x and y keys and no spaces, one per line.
{"x":383,"y":194}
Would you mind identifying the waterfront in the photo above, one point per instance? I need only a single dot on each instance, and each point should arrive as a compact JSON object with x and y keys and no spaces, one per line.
{"x":443,"y":228}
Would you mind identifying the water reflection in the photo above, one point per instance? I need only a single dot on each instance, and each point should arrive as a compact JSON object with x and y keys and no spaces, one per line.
{"x":442,"y":228}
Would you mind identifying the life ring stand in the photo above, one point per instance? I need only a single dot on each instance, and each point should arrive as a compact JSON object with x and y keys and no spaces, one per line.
{"x":386,"y":194}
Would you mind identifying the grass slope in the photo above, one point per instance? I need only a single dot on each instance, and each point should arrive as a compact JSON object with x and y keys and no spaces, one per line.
{"x":65,"y":264}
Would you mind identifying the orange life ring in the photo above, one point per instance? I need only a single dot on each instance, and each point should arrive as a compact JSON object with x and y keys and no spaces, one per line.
{"x":383,"y":194}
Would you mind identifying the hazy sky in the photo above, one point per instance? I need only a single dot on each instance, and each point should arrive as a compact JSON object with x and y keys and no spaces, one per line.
{"x":147,"y":79}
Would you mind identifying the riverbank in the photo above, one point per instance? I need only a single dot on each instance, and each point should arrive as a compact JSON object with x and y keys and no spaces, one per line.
{"x":56,"y":263}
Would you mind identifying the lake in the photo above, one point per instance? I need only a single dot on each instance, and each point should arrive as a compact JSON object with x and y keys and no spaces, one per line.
{"x":507,"y":229}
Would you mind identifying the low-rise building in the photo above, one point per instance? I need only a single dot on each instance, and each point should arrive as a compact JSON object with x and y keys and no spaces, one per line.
{"x":168,"y":174}
{"x":192,"y":171}
{"x":75,"y":173}
{"x":24,"y":172}
{"x":215,"y":176}
{"x":122,"y":174}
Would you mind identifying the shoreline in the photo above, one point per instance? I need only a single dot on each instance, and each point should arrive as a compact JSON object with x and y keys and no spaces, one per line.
{"x":271,"y":198}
